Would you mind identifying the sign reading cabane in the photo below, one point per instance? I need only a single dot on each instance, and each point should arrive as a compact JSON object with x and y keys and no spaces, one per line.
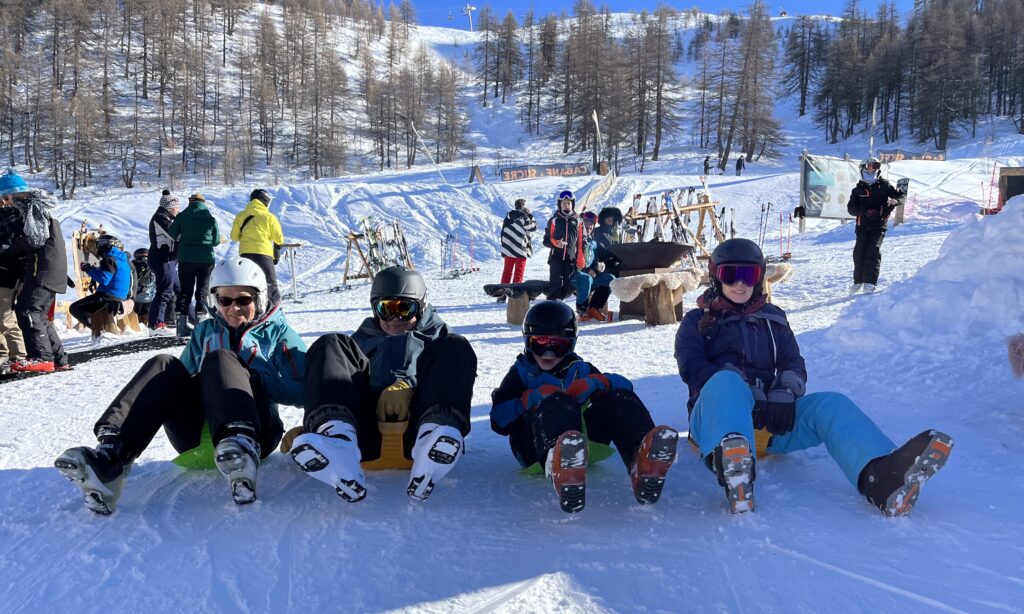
{"x":533,"y":171}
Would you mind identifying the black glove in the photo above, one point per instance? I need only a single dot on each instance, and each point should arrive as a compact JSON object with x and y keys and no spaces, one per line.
{"x":760,"y":404}
{"x":780,"y":414}
{"x":84,"y":266}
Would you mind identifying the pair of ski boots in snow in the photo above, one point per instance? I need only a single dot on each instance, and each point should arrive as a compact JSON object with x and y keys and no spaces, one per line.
{"x":891,"y":483}
{"x":332,"y":456}
{"x":101,"y":471}
{"x":566,"y":467}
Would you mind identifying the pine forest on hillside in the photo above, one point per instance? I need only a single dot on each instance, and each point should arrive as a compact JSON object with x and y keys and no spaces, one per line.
{"x":113,"y":91}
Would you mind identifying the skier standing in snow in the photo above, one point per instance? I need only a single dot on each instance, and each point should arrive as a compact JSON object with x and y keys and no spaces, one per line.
{"x":745,"y":373}
{"x":259,"y":236}
{"x":707,"y":165}
{"x":113,"y":278}
{"x":163,"y":261}
{"x":741,"y":164}
{"x":234,"y":371}
{"x":564,"y":237}
{"x":871,"y":202}
{"x":516,"y":245}
{"x":401,"y":365}
{"x":39,"y":245}
{"x":12,"y":343}
{"x":196,"y":233}
{"x":591,"y":281}
{"x":551,"y":402}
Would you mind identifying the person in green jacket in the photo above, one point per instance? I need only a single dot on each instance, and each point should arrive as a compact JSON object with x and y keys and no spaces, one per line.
{"x":259,"y":237}
{"x":237,"y":367}
{"x":196,"y":233}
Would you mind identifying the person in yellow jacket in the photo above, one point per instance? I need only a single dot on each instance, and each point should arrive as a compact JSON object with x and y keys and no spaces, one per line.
{"x":259,"y":237}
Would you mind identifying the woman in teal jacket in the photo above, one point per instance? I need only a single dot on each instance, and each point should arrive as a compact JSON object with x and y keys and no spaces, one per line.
{"x":236,"y":368}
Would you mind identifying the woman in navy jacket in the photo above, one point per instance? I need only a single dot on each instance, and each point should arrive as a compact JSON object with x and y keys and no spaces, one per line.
{"x":745,"y":373}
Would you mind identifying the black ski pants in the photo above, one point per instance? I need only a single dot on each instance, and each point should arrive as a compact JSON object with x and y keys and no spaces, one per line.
{"x":33,"y":313}
{"x":194,"y":278}
{"x":266,"y":264}
{"x":224,"y":394}
{"x":616,"y":417}
{"x":83,"y":309}
{"x":167,"y":288}
{"x":867,"y":255}
{"x":560,"y":279}
{"x":338,"y":388}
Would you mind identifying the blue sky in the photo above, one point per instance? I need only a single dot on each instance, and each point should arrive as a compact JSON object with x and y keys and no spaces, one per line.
{"x":436,"y":12}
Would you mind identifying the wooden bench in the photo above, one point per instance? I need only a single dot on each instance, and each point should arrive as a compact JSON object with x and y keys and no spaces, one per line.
{"x":518,"y":297}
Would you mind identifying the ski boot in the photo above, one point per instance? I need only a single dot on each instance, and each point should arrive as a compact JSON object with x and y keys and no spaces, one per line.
{"x":436,"y":450}
{"x":332,"y":456}
{"x":100,"y":472}
{"x":856,"y":288}
{"x":183,"y":329}
{"x":733,"y":463}
{"x":869,"y":288}
{"x":653,"y":459}
{"x":238,"y":459}
{"x":566,"y":466}
{"x":893,"y":482}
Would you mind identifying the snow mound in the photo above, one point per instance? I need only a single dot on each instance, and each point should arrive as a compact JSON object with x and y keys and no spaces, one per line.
{"x":971,"y":293}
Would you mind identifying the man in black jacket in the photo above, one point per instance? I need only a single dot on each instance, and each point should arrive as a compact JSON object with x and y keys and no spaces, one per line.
{"x":163,"y":261}
{"x":871,"y":202}
{"x":40,"y":247}
{"x":12,"y":343}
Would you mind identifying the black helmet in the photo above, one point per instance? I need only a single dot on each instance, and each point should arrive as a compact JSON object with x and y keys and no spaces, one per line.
{"x":104,"y":242}
{"x":141,"y":253}
{"x":550,"y":318}
{"x":261,"y":195}
{"x":398,"y":282}
{"x":737,"y":251}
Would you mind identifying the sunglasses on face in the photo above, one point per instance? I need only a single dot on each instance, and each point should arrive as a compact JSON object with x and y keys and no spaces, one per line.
{"x":729,"y":274}
{"x":390,"y":308}
{"x":542,"y":344}
{"x":241,"y":301}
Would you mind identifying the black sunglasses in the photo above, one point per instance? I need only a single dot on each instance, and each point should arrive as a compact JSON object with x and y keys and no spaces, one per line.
{"x":241,"y":301}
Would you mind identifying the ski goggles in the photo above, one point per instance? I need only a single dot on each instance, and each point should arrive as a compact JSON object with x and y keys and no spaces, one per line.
{"x":241,"y":301}
{"x":871,"y":166}
{"x":542,"y":344}
{"x":729,"y":274}
{"x":388,"y":309}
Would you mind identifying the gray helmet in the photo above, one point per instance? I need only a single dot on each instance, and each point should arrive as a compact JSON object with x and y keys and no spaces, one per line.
{"x":398,"y":282}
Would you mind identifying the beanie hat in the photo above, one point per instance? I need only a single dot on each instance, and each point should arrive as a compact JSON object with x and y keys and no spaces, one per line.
{"x":167,"y":201}
{"x":12,"y":183}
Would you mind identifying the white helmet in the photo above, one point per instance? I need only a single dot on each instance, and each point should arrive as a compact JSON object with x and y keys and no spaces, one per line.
{"x":238,"y":271}
{"x":870,"y":169}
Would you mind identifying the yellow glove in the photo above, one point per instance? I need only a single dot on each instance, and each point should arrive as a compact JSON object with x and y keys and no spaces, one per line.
{"x":393,"y":404}
{"x":289,"y":438}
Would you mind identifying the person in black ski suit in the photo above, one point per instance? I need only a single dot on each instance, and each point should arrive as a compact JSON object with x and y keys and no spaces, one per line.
{"x":402,"y":365}
{"x":607,"y":233}
{"x":871,"y":202}
{"x":741,"y":164}
{"x":551,"y":402}
{"x":746,"y":378}
{"x":564,"y":237}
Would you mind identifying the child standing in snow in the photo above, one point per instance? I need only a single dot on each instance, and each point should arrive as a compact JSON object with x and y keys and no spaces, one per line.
{"x":563,"y":235}
{"x":744,"y":370}
{"x":237,"y":366}
{"x":552,"y":401}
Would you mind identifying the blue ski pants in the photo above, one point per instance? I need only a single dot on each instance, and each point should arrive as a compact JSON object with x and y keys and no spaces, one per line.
{"x":852,"y":439}
{"x":585,"y":284}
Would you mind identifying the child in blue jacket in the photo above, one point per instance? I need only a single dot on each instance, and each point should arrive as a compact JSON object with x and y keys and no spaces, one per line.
{"x":552,"y":401}
{"x":234,"y":371}
{"x":745,"y":373}
{"x":113,"y":278}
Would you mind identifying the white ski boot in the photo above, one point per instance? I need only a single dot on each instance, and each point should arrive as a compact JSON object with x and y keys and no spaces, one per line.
{"x":99,"y":472}
{"x":869,"y":288}
{"x":238,"y":459}
{"x":856,"y":288}
{"x":332,"y":456}
{"x":436,"y":450}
